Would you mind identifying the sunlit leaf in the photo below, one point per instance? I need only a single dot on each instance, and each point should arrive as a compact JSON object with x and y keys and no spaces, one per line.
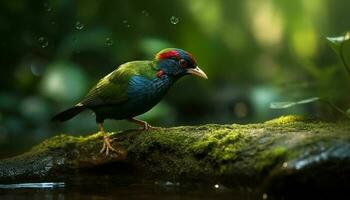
{"x":282,"y":105}
{"x":337,"y":43}
{"x":288,"y":104}
{"x":310,"y":100}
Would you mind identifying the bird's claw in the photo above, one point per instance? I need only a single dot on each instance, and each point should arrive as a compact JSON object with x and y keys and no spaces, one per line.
{"x":146,"y":127}
{"x":107,"y":146}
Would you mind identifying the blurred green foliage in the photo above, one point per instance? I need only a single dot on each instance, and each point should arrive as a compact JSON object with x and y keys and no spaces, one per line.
{"x":254,"y":51}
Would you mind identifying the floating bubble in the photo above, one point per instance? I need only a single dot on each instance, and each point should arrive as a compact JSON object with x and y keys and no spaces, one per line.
{"x":145,"y":13}
{"x":79,"y":25}
{"x":174,"y":20}
{"x":47,"y":7}
{"x":264,"y":196}
{"x":126,"y":23}
{"x":285,"y":165}
{"x":36,"y":69}
{"x":168,"y":183}
{"x":109,"y":41}
{"x":43,"y":42}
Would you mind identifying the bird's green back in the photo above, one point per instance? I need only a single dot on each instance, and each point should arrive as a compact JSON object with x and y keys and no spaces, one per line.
{"x":112,"y":89}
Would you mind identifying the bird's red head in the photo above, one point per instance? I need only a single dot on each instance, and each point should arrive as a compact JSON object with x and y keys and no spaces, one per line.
{"x":184,"y":60}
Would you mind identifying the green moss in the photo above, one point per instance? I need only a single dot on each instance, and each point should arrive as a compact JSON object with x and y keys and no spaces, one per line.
{"x":161,"y":139}
{"x":66,"y":141}
{"x":59,"y":141}
{"x":219,"y":145}
{"x":286,"y":120}
{"x":268,"y":158}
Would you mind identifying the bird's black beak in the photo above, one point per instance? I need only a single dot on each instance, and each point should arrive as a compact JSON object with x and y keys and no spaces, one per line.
{"x":197,"y":72}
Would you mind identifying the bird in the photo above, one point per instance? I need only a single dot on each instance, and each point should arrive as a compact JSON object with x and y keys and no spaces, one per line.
{"x":132,"y":89}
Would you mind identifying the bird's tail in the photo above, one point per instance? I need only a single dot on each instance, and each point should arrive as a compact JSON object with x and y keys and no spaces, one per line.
{"x":68,"y":114}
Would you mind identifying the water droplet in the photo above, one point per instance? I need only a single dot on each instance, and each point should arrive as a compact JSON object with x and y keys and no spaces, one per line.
{"x":174,"y":20}
{"x":79,"y":25}
{"x":126,"y":23}
{"x":168,"y":183}
{"x":285,"y":165}
{"x":36,"y":69}
{"x":43,"y":42}
{"x":145,"y":13}
{"x":47,"y":7}
{"x":109,"y":41}
{"x":264,"y":196}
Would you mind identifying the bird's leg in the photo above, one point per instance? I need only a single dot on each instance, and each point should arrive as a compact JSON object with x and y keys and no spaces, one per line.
{"x":145,"y":125}
{"x":106,"y":141}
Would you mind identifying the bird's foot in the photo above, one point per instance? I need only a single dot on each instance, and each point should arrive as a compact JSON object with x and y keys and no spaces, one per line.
{"x":107,"y":146}
{"x":146,"y":126}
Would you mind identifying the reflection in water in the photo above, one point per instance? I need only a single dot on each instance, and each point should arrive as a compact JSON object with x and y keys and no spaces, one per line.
{"x":32,"y":185}
{"x":106,"y":188}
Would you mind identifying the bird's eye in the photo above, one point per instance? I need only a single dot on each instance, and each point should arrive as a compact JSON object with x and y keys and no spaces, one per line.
{"x":183,"y":63}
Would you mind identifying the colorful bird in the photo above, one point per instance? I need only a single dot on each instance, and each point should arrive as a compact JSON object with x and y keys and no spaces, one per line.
{"x":133,"y":89}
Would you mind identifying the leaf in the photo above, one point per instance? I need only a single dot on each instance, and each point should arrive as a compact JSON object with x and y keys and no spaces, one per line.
{"x":348,"y":112}
{"x":288,"y":104}
{"x":282,"y":105}
{"x":310,"y":100}
{"x":337,"y":43}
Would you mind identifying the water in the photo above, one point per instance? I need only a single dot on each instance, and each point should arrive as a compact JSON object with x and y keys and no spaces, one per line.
{"x":42,"y":185}
{"x":105,"y":187}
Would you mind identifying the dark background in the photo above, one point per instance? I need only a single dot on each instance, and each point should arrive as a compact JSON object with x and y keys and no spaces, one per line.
{"x":254,"y":53}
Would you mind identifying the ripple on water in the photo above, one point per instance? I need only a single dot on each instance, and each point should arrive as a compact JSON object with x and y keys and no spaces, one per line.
{"x":33,"y":185}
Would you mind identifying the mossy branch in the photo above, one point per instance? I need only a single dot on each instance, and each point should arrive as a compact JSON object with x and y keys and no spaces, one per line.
{"x":230,"y":154}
